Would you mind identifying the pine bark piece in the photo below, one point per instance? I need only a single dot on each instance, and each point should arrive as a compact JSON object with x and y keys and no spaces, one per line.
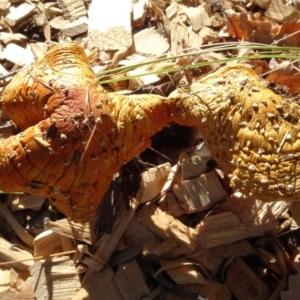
{"x":107,"y":289}
{"x":10,"y":253}
{"x":243,"y":282}
{"x":72,"y":9}
{"x":145,"y":39}
{"x":58,"y":273}
{"x":200,"y":193}
{"x":20,"y":13}
{"x":109,"y":25}
{"x":77,"y":231}
{"x":130,"y":281}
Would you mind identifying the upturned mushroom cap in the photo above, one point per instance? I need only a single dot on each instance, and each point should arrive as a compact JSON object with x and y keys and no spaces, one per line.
{"x":253,"y":134}
{"x":77,"y":136}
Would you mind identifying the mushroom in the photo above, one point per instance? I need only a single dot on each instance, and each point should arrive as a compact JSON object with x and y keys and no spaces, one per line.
{"x":76,"y":135}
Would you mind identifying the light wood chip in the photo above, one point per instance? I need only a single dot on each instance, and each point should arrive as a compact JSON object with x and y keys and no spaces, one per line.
{"x":9,"y":252}
{"x":77,"y":231}
{"x":110,"y":28}
{"x":280,"y":12}
{"x":149,"y":42}
{"x":211,"y":290}
{"x":108,"y":243}
{"x":200,"y":193}
{"x":46,"y":243}
{"x":58,"y":273}
{"x":76,"y":27}
{"x":107,"y":289}
{"x":130,"y":281}
{"x":20,"y":13}
{"x":27,"y":290}
{"x":153,"y":182}
{"x":72,"y":9}
{"x":167,"y":226}
{"x":243,"y":282}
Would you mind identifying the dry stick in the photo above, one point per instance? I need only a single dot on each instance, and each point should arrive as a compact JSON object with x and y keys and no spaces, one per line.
{"x":38,"y":257}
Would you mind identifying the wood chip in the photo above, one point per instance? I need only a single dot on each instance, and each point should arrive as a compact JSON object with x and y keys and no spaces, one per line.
{"x":4,"y":4}
{"x":280,"y":12}
{"x":107,"y":289}
{"x":27,"y":290}
{"x":130,"y":281}
{"x":20,"y":13}
{"x":9,"y":252}
{"x":193,"y":164}
{"x":110,"y":28}
{"x":153,"y":182}
{"x":108,"y":243}
{"x":76,"y":27}
{"x":18,"y":55}
{"x":46,"y":243}
{"x":141,"y":81}
{"x":20,"y":202}
{"x":200,"y":193}
{"x":7,"y":38}
{"x":139,"y":13}
{"x":77,"y":231}
{"x":167,"y":226}
{"x":6,"y":291}
{"x":149,"y":42}
{"x":197,"y":16}
{"x":209,"y":233}
{"x":72,"y":9}
{"x":182,"y":271}
{"x":58,"y":273}
{"x":20,"y":231}
{"x":211,"y":290}
{"x":243,"y":282}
